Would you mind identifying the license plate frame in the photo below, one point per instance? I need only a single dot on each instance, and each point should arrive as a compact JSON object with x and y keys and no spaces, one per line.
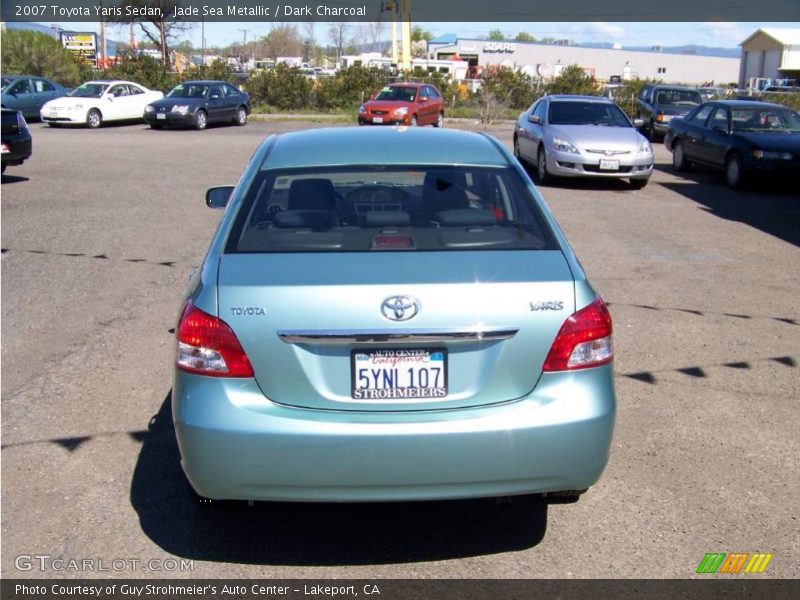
{"x":161,"y":116}
{"x":417,"y":359}
{"x":609,"y":164}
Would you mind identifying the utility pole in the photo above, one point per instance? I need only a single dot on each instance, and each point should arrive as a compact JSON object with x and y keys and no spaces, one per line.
{"x":244,"y":43}
{"x":405,"y":24}
{"x":102,"y":37}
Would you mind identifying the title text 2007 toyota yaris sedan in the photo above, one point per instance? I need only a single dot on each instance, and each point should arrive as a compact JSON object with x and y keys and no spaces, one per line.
{"x":390,"y":314}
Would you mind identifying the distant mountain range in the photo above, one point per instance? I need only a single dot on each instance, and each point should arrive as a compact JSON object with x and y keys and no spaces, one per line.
{"x":688,"y":49}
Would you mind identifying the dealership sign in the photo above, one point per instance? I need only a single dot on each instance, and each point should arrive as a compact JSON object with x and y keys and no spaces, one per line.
{"x":83,"y":45}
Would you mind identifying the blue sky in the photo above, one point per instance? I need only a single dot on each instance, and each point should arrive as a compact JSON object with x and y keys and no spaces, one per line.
{"x":717,"y":33}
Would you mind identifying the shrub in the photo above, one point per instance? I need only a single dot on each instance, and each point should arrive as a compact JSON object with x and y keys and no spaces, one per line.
{"x":142,"y":69}
{"x":573,"y":80}
{"x":511,"y":88}
{"x":35,"y":53}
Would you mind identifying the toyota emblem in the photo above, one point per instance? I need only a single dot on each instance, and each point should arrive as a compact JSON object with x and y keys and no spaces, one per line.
{"x":400,"y":308}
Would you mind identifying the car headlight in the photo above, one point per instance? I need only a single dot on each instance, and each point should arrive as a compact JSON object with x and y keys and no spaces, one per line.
{"x":561,"y":145}
{"x":181,"y":108}
{"x":644,"y":148}
{"x":662,"y":118}
{"x":402,"y":111}
{"x":362,"y":109}
{"x":148,"y":108}
{"x":766,"y":155}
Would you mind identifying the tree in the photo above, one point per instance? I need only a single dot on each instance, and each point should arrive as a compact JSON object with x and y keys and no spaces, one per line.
{"x":496,"y":35}
{"x":160,"y":30}
{"x":337,"y":35}
{"x":282,"y":40}
{"x":35,"y":53}
{"x":573,"y":80}
{"x":419,"y":34}
{"x":375,"y":32}
{"x":523,"y":36}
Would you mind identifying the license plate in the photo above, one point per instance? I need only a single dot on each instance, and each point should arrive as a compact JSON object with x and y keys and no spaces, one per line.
{"x":377,"y":119}
{"x":609,"y":164}
{"x":161,"y":116}
{"x":399,"y":374}
{"x":5,"y":149}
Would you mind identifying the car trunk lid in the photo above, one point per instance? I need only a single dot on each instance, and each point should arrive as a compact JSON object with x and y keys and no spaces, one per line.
{"x":308,"y":320}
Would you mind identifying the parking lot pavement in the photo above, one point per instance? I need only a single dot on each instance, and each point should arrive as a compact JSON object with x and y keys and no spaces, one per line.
{"x":100,"y":230}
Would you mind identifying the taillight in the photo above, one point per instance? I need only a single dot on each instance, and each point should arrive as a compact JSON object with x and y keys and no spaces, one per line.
{"x":208,"y":346}
{"x":584,"y":340}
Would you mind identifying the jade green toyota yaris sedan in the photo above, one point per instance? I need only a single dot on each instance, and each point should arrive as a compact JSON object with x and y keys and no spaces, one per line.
{"x":390,"y":314}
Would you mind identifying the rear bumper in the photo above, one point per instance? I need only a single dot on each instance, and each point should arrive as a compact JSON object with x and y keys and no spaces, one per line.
{"x":19,"y":149}
{"x":236,"y":444}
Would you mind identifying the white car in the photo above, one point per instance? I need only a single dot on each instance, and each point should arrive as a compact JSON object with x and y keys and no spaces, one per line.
{"x":95,"y":102}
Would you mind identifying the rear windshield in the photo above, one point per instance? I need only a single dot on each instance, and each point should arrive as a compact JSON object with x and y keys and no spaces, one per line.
{"x":397,"y":94}
{"x":587,"y":113}
{"x":375,"y":209}
{"x":679,"y":97}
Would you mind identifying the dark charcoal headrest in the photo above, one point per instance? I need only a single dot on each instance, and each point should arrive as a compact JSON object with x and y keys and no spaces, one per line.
{"x":312,"y":194}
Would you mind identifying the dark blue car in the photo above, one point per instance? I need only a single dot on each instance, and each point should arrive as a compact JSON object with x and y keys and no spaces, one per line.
{"x":198,"y":103}
{"x":27,"y":93}
{"x":739,"y":137}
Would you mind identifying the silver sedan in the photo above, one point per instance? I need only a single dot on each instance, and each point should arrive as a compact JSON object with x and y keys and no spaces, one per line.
{"x":582,"y":136}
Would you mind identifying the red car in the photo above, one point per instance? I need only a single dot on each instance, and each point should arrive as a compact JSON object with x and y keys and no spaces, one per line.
{"x":404,"y":104}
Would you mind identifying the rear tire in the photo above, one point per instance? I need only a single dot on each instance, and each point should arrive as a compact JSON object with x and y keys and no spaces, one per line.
{"x":200,"y":120}
{"x":679,"y":160}
{"x":439,"y":120}
{"x":94,"y":119}
{"x":734,"y":172}
{"x":413,"y":122}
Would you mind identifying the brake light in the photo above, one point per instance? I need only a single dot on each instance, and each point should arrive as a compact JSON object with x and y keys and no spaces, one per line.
{"x":584,"y":340}
{"x":208,"y":346}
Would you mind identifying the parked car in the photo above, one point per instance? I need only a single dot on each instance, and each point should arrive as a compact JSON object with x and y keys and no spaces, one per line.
{"x":404,"y":104}
{"x":390,"y":314}
{"x":198,"y":103}
{"x":17,"y":145}
{"x":658,"y":104}
{"x":27,"y":93}
{"x":582,"y":136}
{"x":96,"y":102}
{"x":738,"y":136}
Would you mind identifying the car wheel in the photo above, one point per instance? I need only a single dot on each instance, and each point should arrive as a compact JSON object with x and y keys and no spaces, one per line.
{"x":413,"y":121}
{"x":541,"y":167}
{"x":439,"y":120}
{"x":156,"y":126}
{"x":651,"y":132}
{"x":638,"y":184}
{"x":200,"y":120}
{"x":94,"y":119}
{"x":4,"y":169}
{"x":734,"y":172}
{"x":679,"y":157}
{"x":241,"y":116}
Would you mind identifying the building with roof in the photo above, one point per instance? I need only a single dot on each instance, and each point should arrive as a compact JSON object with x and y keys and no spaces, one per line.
{"x":770,"y":54}
{"x":604,"y":64}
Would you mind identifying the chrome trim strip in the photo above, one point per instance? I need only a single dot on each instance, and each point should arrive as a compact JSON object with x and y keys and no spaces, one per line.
{"x":395,"y":336}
